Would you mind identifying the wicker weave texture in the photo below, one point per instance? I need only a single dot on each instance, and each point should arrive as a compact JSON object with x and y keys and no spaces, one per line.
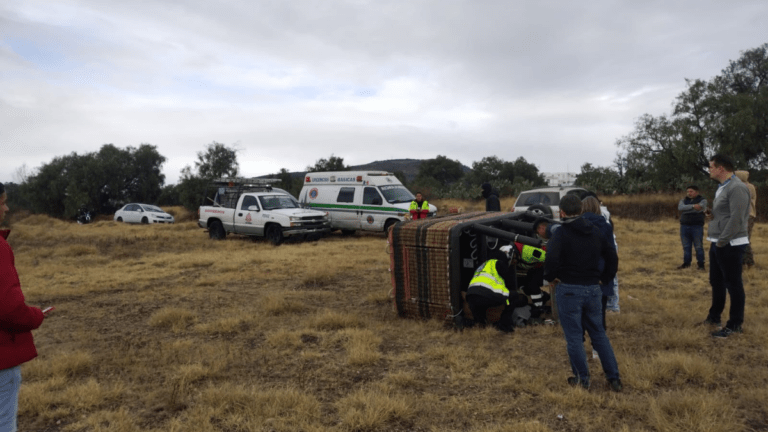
{"x":421,"y":265}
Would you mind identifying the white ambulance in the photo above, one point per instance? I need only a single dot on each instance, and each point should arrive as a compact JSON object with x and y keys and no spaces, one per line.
{"x":359,"y":200}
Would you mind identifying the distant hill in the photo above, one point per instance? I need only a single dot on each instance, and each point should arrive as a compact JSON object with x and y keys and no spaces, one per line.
{"x":409,"y":167}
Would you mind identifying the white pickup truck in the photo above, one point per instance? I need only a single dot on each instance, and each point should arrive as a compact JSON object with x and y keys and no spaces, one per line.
{"x":252,"y":207}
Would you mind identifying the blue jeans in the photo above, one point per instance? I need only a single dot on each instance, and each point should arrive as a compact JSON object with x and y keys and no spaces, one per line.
{"x":579,"y":304}
{"x":10,"y":382}
{"x":613,"y":299}
{"x":725,"y":276}
{"x":691,"y":235}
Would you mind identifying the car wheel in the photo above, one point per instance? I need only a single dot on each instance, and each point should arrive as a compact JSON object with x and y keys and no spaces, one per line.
{"x":119,"y":219}
{"x":144,"y":220}
{"x":389,"y":223}
{"x":275,"y":234}
{"x":541,"y":210}
{"x":216,"y":231}
{"x":347,"y":232}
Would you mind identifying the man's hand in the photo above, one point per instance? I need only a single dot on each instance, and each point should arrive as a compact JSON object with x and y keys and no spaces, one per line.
{"x":697,"y":207}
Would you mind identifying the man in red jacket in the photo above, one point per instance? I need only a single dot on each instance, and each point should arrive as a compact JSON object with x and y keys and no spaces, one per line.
{"x":17,"y":320}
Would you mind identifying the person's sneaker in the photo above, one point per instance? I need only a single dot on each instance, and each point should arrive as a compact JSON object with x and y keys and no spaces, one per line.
{"x":727,"y":331}
{"x":683,"y":266}
{"x":573,"y":382}
{"x":616,"y":385}
{"x":709,"y":322}
{"x":700,"y":267}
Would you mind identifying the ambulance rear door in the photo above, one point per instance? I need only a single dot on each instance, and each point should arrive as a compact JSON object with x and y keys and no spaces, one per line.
{"x":344,"y":213}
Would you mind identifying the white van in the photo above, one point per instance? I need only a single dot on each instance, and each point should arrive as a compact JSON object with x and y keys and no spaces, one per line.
{"x":359,"y":200}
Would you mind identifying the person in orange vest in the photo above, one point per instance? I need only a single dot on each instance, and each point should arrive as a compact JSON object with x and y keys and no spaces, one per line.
{"x":419,"y":207}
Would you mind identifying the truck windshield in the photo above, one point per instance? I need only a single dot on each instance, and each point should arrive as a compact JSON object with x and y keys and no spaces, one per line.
{"x":274,"y":202}
{"x":396,"y":194}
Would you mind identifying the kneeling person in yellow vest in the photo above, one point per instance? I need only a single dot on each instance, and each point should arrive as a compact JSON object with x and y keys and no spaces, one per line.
{"x":494,"y":284}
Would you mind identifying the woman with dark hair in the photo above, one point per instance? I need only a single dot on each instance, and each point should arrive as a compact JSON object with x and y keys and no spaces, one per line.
{"x":17,"y":320}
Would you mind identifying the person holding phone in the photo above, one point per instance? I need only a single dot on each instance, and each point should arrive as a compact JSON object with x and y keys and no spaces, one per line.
{"x":17,"y":320}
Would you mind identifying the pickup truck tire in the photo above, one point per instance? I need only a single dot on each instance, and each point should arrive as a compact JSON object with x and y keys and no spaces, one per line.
{"x":119,"y":219}
{"x":144,"y":220}
{"x":275,"y":234}
{"x":216,"y":231}
{"x":542,"y":210}
{"x":389,"y":224}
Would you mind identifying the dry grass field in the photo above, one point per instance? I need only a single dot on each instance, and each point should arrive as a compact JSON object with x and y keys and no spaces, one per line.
{"x":158,"y":328}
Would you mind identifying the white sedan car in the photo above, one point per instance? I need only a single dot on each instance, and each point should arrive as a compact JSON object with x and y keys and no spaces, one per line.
{"x":142,"y":213}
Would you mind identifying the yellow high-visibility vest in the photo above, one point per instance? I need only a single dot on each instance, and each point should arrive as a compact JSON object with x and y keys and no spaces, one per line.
{"x":424,"y":205}
{"x":487,"y":277}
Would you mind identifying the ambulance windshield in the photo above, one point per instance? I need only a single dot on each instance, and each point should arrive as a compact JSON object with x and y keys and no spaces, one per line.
{"x":396,"y":194}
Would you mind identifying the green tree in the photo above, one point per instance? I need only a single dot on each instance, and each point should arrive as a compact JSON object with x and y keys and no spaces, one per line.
{"x":727,"y":114}
{"x":100,"y":181}
{"x":525,"y":170}
{"x":191,"y":189}
{"x":599,"y":179}
{"x":441,"y":169}
{"x":333,"y":163}
{"x":217,"y":161}
{"x":288,"y":182}
{"x":491,"y":168}
{"x":402,"y":177}
{"x":45,"y":191}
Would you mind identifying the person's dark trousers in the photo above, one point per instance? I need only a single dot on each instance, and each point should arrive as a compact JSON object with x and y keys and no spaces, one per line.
{"x":605,"y":306}
{"x":479,"y":305}
{"x":691,"y":236}
{"x":604,"y":301}
{"x":725,"y":276}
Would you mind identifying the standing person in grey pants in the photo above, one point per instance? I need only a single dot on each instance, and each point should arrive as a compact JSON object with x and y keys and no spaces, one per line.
{"x":728,"y":236}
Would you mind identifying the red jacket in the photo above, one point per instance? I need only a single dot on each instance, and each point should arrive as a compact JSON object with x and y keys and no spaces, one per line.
{"x":17,"y":320}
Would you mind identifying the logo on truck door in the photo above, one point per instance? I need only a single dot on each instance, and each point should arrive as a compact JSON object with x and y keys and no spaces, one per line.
{"x":370,"y":219}
{"x":313,"y":193}
{"x":248,"y":218}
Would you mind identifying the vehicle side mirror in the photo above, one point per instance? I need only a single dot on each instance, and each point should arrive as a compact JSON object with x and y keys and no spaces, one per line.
{"x":253,"y":208}
{"x":376,"y":201}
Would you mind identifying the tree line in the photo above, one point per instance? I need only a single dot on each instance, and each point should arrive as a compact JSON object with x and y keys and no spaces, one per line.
{"x":726,"y":114}
{"x":105,"y":180}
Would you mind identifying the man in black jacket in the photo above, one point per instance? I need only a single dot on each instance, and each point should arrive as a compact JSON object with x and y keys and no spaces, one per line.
{"x":573,"y":260}
{"x":693,"y":207}
{"x":491,"y":198}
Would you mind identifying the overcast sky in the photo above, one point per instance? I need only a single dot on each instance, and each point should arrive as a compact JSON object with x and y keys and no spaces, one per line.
{"x":289,"y":82}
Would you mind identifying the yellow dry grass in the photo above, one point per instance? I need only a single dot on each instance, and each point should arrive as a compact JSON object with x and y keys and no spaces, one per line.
{"x":157,"y":328}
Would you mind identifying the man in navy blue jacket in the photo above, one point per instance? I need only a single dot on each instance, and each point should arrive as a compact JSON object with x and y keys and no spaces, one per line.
{"x":573,"y":260}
